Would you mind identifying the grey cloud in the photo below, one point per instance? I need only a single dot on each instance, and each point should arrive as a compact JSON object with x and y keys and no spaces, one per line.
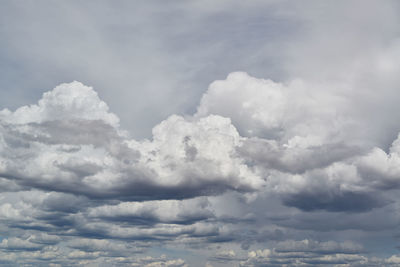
{"x":246,"y":237}
{"x":305,"y":253}
{"x":225,"y":256}
{"x":155,"y":220}
{"x":329,"y":247}
{"x":334,"y":201}
{"x":45,"y":239}
{"x":370,"y":221}
{"x":152,"y":212}
{"x":7,"y":185}
{"x":160,"y":261}
{"x":313,"y":253}
{"x":19,"y":244}
{"x":261,"y":258}
{"x":54,"y":256}
{"x":271,"y":155}
{"x":64,"y":203}
{"x":105,"y":247}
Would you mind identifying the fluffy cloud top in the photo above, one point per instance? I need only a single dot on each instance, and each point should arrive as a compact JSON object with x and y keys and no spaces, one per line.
{"x":296,"y":169}
{"x":295,"y":144}
{"x":69,"y":142}
{"x":75,"y":172}
{"x":67,"y":101}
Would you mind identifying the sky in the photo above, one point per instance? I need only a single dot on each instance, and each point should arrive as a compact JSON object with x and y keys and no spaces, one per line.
{"x":199,"y":133}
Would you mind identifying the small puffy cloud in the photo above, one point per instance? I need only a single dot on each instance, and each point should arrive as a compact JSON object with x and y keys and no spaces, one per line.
{"x":162,"y":261}
{"x":256,"y":106}
{"x":68,"y":101}
{"x":225,"y":255}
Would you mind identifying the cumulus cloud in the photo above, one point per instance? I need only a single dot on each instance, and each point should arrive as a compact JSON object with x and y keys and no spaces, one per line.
{"x":65,"y":102}
{"x":76,"y":172}
{"x":51,"y":147}
{"x":307,"y":143}
{"x":296,"y":113}
{"x":280,"y":164}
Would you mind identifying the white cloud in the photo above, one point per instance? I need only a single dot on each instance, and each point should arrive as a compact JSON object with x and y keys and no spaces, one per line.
{"x":299,"y":114}
{"x":69,"y":142}
{"x":259,"y":165}
{"x":65,"y":102}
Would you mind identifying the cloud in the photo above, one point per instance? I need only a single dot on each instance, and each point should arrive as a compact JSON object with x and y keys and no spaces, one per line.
{"x":295,"y":113}
{"x":306,"y":142}
{"x":51,"y":147}
{"x":160,"y":262}
{"x":225,"y":256}
{"x":100,"y":184}
{"x":54,"y":256}
{"x":153,"y":212}
{"x":65,"y":102}
{"x":306,"y":253}
{"x":108,"y":189}
{"x":19,"y":244}
{"x":104,"y":248}
{"x":250,"y":171}
{"x":126,"y":49}
{"x":313,"y":253}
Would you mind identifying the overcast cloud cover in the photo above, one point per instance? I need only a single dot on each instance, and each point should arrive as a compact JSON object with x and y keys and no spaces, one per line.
{"x":199,"y":133}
